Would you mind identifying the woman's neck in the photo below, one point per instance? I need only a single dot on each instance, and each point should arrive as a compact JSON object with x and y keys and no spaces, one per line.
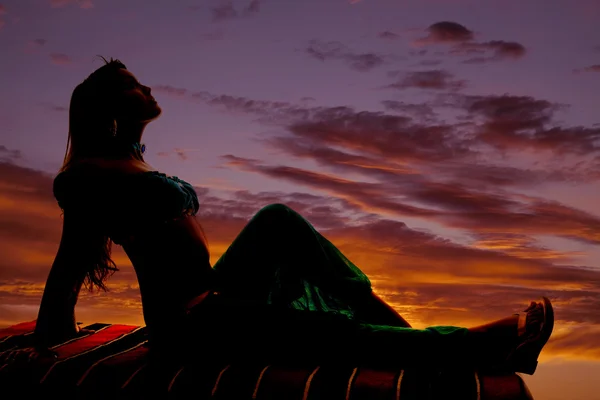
{"x":131,"y":131}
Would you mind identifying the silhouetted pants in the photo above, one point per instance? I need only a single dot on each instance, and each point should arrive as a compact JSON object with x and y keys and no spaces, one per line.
{"x":287,"y":294}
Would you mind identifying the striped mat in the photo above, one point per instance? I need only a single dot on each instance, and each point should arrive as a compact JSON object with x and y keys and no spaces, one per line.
{"x":113,"y":363}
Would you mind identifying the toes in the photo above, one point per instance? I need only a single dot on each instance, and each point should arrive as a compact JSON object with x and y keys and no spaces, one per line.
{"x":532,"y":305}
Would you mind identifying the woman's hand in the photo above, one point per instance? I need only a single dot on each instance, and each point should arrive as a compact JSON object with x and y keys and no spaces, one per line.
{"x":42,"y":348}
{"x":26,"y":356}
{"x":48,"y":338}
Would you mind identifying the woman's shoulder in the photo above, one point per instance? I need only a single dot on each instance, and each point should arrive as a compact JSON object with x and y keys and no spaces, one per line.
{"x":109,"y":168}
{"x":92,"y":177}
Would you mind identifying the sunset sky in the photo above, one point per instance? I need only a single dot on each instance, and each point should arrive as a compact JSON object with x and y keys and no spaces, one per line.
{"x":450,"y":148}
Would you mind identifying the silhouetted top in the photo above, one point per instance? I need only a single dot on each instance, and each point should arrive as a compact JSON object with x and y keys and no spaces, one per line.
{"x":125,"y":202}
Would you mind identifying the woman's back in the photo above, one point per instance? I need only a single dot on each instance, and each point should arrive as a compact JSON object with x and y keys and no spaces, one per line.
{"x":151,"y":215}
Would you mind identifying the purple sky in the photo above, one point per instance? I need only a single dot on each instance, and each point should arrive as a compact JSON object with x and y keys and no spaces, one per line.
{"x":475,"y":123}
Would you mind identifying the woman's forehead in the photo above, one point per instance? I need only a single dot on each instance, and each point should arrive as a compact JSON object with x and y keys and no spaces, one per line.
{"x":125,"y":74}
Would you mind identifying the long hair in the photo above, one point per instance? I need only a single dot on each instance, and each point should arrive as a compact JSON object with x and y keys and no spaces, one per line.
{"x":91,"y":133}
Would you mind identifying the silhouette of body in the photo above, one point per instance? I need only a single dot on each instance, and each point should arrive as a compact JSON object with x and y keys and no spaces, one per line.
{"x":280,"y":292}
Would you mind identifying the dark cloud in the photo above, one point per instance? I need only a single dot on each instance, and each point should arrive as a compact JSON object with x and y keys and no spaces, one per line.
{"x":227,"y":11}
{"x":447,"y":32}
{"x":522,"y":122}
{"x":388,"y":35}
{"x":505,"y":49}
{"x":499,"y":50}
{"x":358,"y":142}
{"x":591,"y":68}
{"x":337,"y":51}
{"x":485,"y":127}
{"x":451,"y":204}
{"x":36,"y":44}
{"x":223,"y":12}
{"x":414,"y":165}
{"x":392,"y":137}
{"x":54,"y":107}
{"x":462,"y":43}
{"x":432,"y":79}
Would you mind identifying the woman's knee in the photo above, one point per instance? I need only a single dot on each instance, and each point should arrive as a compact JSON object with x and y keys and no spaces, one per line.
{"x":275,"y":210}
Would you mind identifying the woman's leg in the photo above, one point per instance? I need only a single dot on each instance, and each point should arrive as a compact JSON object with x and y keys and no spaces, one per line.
{"x":279,"y":256}
{"x":237,"y":331}
{"x":280,"y":245}
{"x":269,"y":262}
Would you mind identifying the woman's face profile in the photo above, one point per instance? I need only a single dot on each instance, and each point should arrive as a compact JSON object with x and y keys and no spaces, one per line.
{"x":134,"y":101}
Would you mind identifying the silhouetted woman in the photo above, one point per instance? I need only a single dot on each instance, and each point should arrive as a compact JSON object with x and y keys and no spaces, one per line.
{"x":280,"y":292}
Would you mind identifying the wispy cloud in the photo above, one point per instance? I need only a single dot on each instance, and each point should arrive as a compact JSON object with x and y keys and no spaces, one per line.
{"x":500,"y":50}
{"x":432,"y":79}
{"x":8,"y":155}
{"x":420,"y":111}
{"x":54,"y":107}
{"x":181,"y":154}
{"x":388,"y":35}
{"x":324,"y":51}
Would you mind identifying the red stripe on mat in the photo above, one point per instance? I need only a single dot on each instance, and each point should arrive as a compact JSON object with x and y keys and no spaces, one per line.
{"x":375,"y":384}
{"x":19,"y":329}
{"x":94,"y":340}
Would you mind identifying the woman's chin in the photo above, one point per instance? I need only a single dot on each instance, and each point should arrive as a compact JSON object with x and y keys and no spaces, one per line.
{"x":153,"y":113}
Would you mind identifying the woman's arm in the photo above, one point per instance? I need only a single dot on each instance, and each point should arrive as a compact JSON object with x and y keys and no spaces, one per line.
{"x":56,"y":317}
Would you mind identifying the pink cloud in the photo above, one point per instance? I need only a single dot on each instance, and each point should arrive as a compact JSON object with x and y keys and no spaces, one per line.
{"x":60,"y":59}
